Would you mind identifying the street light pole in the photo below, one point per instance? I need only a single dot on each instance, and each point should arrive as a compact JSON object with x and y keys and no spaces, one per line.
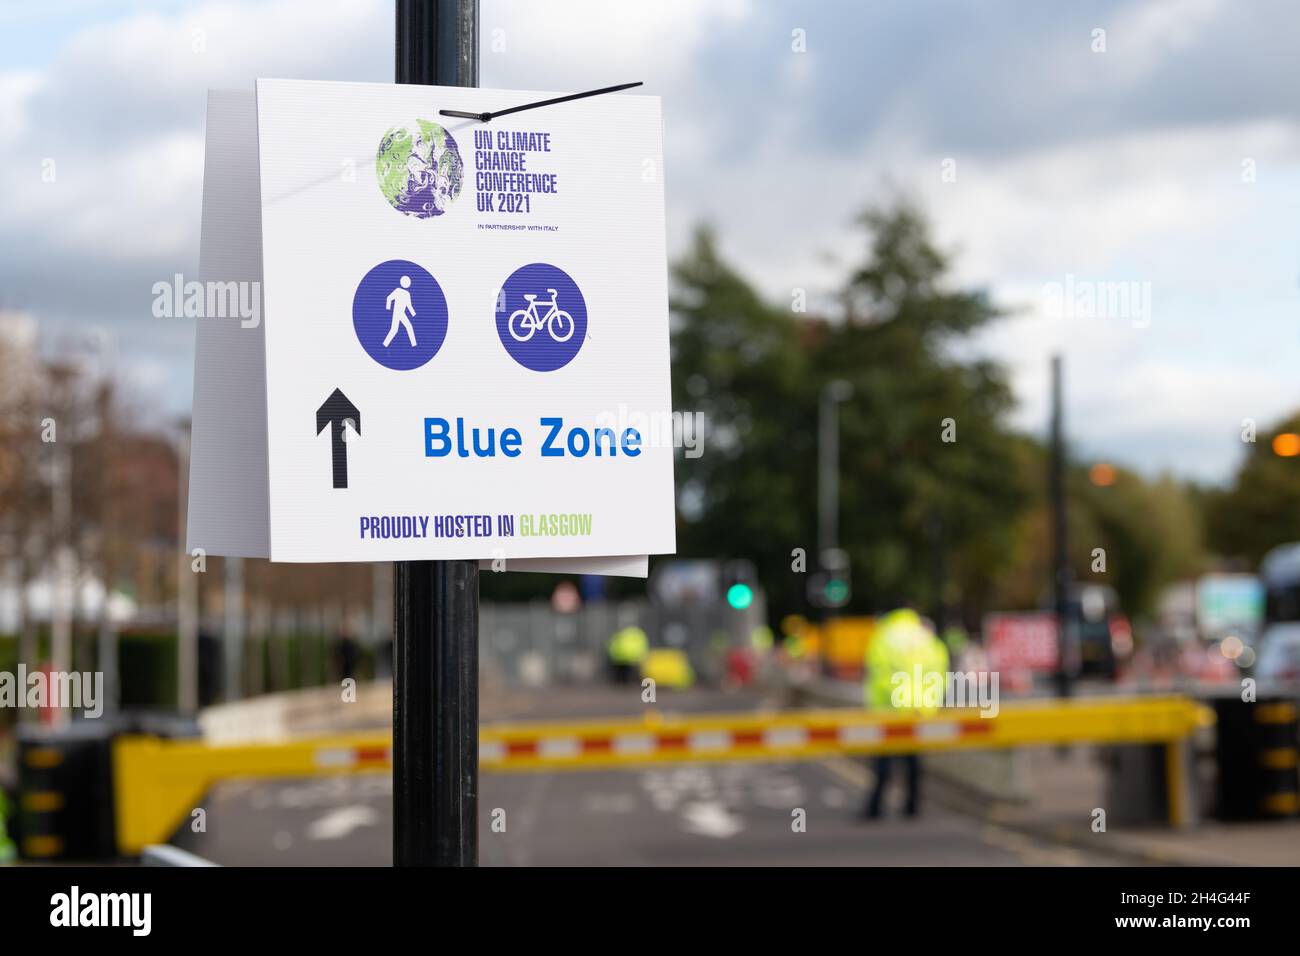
{"x":435,"y":603}
{"x":828,"y":464}
{"x":107,"y":656}
{"x":233,"y":599}
{"x":829,"y":558}
{"x":939,"y":580}
{"x":1060,"y":552}
{"x":63,"y":609}
{"x":187,"y":592}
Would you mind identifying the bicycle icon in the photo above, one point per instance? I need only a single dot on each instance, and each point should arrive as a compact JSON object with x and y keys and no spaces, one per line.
{"x":524,"y":323}
{"x":541,"y":336}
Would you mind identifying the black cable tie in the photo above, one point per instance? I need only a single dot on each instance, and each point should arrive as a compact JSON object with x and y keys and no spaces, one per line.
{"x":485,"y":117}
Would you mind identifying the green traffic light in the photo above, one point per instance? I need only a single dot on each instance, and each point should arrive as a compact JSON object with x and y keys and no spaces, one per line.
{"x":837,"y":590}
{"x":740,"y":596}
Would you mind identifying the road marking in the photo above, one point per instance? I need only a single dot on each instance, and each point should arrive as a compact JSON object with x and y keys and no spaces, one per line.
{"x":777,"y":789}
{"x":530,"y":813}
{"x":610,"y":802}
{"x":834,"y":798}
{"x":339,"y":823}
{"x":851,"y":773}
{"x":711,"y":819}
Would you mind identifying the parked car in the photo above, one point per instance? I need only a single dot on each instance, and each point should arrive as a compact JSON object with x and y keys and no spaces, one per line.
{"x":1279,"y":656}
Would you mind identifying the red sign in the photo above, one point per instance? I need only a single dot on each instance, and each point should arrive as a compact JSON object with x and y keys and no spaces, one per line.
{"x":1021,"y":641}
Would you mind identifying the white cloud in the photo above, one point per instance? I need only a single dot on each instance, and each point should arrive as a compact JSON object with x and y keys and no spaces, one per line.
{"x":1167,"y":208}
{"x":1141,"y":180}
{"x":584,"y":43}
{"x":120,"y":111}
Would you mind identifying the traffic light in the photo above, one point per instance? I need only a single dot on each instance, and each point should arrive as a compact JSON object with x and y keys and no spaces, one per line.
{"x":837,"y":592}
{"x":738,"y":580}
{"x":831,"y":587}
{"x":740,"y":596}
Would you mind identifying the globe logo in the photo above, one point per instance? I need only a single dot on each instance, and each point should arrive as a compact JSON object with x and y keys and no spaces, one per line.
{"x":420,"y":172}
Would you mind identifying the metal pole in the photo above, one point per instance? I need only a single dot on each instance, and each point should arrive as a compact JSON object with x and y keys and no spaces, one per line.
{"x":828,"y":478}
{"x":234,"y":605}
{"x":63,"y":609}
{"x":939,"y":583}
{"x":828,"y":467}
{"x":187,"y":592}
{"x":107,"y":655}
{"x":435,"y":603}
{"x":1060,"y":558}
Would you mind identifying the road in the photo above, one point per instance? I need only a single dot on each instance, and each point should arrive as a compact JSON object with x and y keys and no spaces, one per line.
{"x":737,"y":814}
{"x":749,"y":814}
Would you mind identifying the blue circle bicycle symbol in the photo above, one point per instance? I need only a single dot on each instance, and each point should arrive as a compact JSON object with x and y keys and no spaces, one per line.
{"x":541,"y":317}
{"x":400,"y":315}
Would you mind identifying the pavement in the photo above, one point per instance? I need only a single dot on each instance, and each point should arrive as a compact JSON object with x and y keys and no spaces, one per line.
{"x":1052,"y":795}
{"x":1066,"y":789}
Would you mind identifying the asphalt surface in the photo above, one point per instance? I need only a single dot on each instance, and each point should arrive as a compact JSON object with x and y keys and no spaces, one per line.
{"x":738,"y":814}
{"x":747,"y":814}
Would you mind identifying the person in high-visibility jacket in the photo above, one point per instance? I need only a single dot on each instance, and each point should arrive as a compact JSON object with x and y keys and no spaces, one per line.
{"x":906,"y":671}
{"x":627,"y":649}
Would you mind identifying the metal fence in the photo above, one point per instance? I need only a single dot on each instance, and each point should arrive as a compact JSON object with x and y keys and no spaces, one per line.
{"x":533,"y":645}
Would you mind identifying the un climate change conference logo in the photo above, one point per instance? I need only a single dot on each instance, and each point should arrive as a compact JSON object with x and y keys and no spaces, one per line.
{"x":420,"y":172}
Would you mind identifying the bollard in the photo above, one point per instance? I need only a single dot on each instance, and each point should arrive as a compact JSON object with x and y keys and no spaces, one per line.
{"x":65,"y":792}
{"x":1256,"y":750}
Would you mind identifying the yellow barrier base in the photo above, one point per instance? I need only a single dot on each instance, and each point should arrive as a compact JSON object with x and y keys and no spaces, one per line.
{"x":157,"y":782}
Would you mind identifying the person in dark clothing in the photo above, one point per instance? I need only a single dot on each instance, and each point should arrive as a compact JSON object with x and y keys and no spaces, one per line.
{"x":883,"y":767}
{"x":346,"y":653}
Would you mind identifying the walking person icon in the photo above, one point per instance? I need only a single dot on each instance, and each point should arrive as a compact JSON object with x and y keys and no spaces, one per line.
{"x":399,"y":301}
{"x":399,"y":295}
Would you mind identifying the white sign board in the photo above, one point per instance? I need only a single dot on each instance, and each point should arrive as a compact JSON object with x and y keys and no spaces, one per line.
{"x":464,"y":329}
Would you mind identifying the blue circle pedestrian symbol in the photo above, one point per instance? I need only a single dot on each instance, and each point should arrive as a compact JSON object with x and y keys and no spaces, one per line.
{"x":541,"y":317}
{"x":400,"y":315}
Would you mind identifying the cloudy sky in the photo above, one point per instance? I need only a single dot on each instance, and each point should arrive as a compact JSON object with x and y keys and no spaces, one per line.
{"x":1168,"y":161}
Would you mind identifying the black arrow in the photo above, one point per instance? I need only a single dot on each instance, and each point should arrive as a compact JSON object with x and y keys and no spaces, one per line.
{"x":338,"y":409}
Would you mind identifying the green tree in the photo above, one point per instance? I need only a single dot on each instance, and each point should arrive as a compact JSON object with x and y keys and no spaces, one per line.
{"x":1151,"y":533}
{"x":1261,"y":509}
{"x":923,"y":438}
{"x":756,"y":371}
{"x":740,"y":363}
